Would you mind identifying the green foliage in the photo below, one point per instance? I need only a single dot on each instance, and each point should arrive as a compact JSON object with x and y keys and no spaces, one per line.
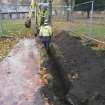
{"x":83,"y":7}
{"x":15,"y":27}
{"x":99,"y":5}
{"x":100,"y":1}
{"x":96,"y":1}
{"x":81,"y":1}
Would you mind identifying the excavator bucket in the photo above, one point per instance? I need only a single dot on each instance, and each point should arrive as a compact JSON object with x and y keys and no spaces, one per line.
{"x":28,"y":22}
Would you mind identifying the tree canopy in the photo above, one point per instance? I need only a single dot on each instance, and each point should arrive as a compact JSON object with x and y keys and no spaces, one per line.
{"x":96,"y":1}
{"x":98,"y":5}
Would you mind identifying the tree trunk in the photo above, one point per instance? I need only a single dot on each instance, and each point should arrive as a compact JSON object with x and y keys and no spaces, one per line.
{"x":88,"y":14}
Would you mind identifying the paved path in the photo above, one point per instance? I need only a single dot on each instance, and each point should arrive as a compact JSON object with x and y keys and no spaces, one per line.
{"x":19,"y":78}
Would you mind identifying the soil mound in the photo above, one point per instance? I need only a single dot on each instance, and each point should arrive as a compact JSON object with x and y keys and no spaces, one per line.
{"x":84,"y":69}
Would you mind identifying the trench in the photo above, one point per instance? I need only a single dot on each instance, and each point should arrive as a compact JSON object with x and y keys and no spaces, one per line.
{"x":58,"y":90}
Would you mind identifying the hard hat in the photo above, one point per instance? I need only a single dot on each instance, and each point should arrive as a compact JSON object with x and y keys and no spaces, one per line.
{"x":45,"y":22}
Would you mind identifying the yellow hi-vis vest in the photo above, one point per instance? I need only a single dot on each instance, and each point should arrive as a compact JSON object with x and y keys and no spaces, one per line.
{"x":45,"y":31}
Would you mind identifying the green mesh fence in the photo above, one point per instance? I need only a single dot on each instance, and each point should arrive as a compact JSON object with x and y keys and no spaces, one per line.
{"x":86,"y":19}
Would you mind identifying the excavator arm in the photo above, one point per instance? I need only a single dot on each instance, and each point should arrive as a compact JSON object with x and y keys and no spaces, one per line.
{"x":42,"y":11}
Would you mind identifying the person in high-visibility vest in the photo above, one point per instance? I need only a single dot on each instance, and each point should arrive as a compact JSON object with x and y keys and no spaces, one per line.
{"x":45,"y":34}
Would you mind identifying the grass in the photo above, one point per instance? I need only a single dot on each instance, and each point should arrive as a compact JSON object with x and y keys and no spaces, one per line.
{"x":98,"y":31}
{"x":15,"y":27}
{"x":82,"y":27}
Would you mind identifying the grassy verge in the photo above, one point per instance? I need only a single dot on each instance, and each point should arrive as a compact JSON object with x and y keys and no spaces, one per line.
{"x":81,"y":27}
{"x":15,"y":28}
{"x":98,"y":31}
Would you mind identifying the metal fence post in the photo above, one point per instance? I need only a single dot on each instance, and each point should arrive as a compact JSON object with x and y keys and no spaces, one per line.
{"x":35,"y":21}
{"x":91,"y":20}
{"x":50,"y":11}
{"x":1,"y":28}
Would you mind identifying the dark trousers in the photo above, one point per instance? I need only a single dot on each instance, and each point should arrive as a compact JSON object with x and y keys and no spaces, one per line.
{"x":46,"y":41}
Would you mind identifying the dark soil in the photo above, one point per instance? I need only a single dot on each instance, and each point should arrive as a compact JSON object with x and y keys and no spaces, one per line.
{"x":54,"y":90}
{"x":84,"y":69}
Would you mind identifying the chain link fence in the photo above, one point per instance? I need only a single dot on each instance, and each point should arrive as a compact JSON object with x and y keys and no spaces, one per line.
{"x":86,"y":19}
{"x":12,"y":20}
{"x":83,"y":19}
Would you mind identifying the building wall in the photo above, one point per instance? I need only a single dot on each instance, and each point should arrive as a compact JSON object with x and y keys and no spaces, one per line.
{"x":15,"y":1}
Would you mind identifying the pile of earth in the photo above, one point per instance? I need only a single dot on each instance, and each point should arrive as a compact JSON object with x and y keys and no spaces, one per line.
{"x":84,"y":69}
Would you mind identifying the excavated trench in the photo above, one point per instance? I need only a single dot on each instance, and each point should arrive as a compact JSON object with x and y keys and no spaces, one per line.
{"x":59,"y":89}
{"x":55,"y":90}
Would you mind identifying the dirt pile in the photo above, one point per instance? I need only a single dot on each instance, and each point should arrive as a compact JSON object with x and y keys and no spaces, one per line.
{"x":20,"y":81}
{"x":84,"y":69}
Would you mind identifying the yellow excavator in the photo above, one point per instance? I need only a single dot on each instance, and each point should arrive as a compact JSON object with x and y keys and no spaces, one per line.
{"x":41,"y":10}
